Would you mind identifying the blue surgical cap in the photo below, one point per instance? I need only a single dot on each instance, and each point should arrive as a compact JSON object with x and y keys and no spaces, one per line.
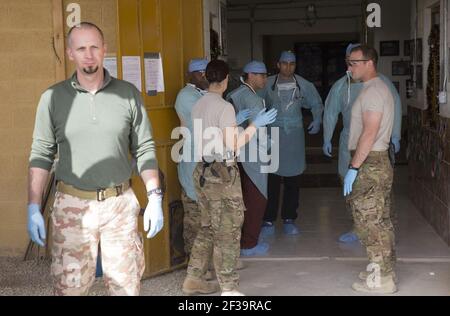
{"x":287,"y":56}
{"x":349,"y":48}
{"x":256,"y":67}
{"x":197,"y":64}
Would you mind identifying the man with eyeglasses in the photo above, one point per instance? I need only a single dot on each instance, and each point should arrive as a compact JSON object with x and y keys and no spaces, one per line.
{"x":340,"y":100}
{"x":368,"y":181}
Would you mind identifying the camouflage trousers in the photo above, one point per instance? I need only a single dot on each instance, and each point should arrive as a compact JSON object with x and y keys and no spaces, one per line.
{"x":370,"y":204}
{"x":222,"y":215}
{"x":77,"y":228}
{"x":191,"y":221}
{"x":392,"y":213}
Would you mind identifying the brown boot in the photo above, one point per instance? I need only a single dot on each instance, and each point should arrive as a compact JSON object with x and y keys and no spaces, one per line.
{"x":193,"y":286}
{"x":240,"y":265}
{"x":364,"y":274}
{"x":386,"y":286}
{"x":209,"y":275}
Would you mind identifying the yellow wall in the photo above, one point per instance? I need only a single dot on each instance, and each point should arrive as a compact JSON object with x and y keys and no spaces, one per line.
{"x":27,"y":68}
{"x":28,"y":65}
{"x":102,"y":13}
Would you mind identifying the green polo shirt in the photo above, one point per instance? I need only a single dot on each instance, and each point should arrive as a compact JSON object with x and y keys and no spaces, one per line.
{"x":93,"y":134}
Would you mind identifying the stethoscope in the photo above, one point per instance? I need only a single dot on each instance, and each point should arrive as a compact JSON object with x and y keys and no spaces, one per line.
{"x":252,"y":90}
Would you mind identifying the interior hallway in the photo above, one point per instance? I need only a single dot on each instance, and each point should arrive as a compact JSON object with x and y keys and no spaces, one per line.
{"x":315,"y":263}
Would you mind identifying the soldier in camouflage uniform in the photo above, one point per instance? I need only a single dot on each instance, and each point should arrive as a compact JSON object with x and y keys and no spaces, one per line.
{"x":218,"y":186}
{"x":186,"y":99}
{"x":368,"y":181}
{"x":93,"y":122}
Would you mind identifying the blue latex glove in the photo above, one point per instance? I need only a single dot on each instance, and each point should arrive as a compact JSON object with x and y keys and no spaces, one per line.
{"x":396,"y":143}
{"x":314,"y":127}
{"x":264,"y":118}
{"x":153,"y":215}
{"x":348,"y":181}
{"x":327,"y":148}
{"x":36,"y":226}
{"x":242,"y":116}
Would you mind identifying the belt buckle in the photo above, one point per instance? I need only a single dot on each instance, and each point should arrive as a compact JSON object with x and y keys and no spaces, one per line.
{"x":101,"y":195}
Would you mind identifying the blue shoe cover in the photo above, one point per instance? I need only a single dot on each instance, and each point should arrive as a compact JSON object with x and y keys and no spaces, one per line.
{"x":289,"y":227}
{"x":267,"y":229}
{"x":348,"y":237}
{"x":259,"y":250}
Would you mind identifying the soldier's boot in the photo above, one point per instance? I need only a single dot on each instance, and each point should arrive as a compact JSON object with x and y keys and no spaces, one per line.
{"x":233,"y":292}
{"x":193,"y":286}
{"x":386,"y":286}
{"x":364,"y":274}
{"x":209,"y":275}
{"x":240,"y":265}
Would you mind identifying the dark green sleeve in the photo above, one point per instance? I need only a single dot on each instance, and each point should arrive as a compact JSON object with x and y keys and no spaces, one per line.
{"x":142,"y":145}
{"x":43,"y":147}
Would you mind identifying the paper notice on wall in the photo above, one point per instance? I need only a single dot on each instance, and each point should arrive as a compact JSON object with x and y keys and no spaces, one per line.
{"x":110,"y":64}
{"x":154,"y":77}
{"x":131,"y":69}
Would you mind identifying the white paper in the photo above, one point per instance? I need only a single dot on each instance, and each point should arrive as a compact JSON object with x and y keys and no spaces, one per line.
{"x":131,"y":69}
{"x":110,"y":63}
{"x":154,"y":77}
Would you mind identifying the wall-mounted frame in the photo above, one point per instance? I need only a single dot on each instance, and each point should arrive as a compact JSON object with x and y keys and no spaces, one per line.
{"x":389,"y":48}
{"x":400,"y":68}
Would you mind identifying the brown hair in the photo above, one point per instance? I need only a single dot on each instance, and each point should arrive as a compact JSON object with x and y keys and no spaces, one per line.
{"x":368,"y":52}
{"x":216,"y":71}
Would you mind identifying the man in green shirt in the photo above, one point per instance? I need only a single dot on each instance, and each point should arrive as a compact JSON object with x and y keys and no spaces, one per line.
{"x":93,"y":122}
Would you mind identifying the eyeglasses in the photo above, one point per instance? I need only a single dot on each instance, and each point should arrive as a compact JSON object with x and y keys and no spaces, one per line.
{"x":354,"y":62}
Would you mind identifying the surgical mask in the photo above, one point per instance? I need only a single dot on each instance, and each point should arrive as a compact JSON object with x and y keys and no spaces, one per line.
{"x":288,"y":86}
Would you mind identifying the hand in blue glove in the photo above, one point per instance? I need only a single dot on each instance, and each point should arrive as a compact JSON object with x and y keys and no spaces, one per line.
{"x":396,"y":143}
{"x":348,"y":181}
{"x":36,"y":226}
{"x":327,"y":148}
{"x":314,"y":127}
{"x":242,"y":116}
{"x":153,"y":215}
{"x":264,"y":118}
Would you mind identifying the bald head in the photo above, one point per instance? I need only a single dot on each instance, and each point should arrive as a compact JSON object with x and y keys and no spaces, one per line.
{"x":83,"y":26}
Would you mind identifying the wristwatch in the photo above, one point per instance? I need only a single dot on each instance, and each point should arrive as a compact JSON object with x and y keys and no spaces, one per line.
{"x":157,"y":191}
{"x":352,"y":168}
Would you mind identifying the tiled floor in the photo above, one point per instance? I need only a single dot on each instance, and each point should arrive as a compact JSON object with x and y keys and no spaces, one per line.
{"x":315,"y":263}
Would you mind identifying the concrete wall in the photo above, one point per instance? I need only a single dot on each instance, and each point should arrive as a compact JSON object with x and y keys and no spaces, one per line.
{"x":288,"y":21}
{"x":395,"y":26}
{"x":27,"y":68}
{"x":429,"y":146}
{"x":285,"y":29}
